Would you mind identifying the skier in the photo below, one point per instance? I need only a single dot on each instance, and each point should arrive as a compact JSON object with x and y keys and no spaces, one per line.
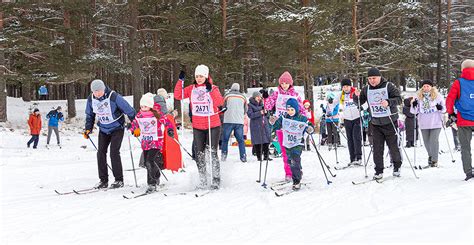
{"x":34,"y":122}
{"x":277,"y":101}
{"x":429,"y":106}
{"x":54,"y":116}
{"x":461,"y":95}
{"x":234,"y":120}
{"x":148,"y":124}
{"x":351,"y":115}
{"x":259,"y":127}
{"x":293,"y":126}
{"x":332,"y":121}
{"x":310,"y":115}
{"x":110,"y":108}
{"x":205,"y":99}
{"x":383,"y":98}
{"x":409,"y":123}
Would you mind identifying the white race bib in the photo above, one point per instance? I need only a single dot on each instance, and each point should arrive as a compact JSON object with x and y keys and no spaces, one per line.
{"x":148,"y":128}
{"x":201,"y":102}
{"x":280,"y":105}
{"x":375,"y":98}
{"x":103,"y":110}
{"x":292,"y":132}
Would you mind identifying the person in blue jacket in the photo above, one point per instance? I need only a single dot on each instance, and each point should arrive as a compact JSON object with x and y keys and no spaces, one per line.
{"x":54,"y":117}
{"x":332,"y":121}
{"x":110,"y":109}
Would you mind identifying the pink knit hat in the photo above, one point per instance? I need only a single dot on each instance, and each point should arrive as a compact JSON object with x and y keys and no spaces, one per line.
{"x":285,"y":78}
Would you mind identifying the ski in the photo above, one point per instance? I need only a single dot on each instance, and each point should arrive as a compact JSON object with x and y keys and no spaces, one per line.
{"x":362,"y":182}
{"x":386,"y":178}
{"x":278,"y":183}
{"x":158,"y":189}
{"x":74,"y":191}
{"x":348,"y":166}
{"x":286,"y":191}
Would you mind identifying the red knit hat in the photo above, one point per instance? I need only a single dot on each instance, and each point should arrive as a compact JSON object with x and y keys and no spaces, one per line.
{"x":285,"y":78}
{"x":304,"y":102}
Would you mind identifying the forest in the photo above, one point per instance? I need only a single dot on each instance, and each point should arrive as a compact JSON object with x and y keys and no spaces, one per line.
{"x":138,"y":46}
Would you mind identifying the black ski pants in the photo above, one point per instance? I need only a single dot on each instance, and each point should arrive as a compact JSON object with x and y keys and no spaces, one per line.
{"x":201,"y":142}
{"x":115,"y":141}
{"x":382,"y":134}
{"x":354,"y":139}
{"x":152,"y":161}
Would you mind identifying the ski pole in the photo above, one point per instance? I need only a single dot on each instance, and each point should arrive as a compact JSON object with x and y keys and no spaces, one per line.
{"x":133,"y":164}
{"x":261,"y":150}
{"x":182,"y":116}
{"x":447,"y":140}
{"x":361,"y":132}
{"x":320,"y":157}
{"x":324,"y":171}
{"x":182,"y":147}
{"x":408,"y":159}
{"x":155,"y":162}
{"x":415,"y":132}
{"x":264,"y":185}
{"x":98,"y":150}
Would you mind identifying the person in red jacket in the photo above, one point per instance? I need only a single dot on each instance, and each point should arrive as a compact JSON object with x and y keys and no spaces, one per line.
{"x":35,"y":128}
{"x":461,"y":95}
{"x":310,"y":115}
{"x":205,"y":100}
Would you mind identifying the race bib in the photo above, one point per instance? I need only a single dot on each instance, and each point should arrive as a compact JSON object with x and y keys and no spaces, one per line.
{"x":280,"y":105}
{"x":201,"y":102}
{"x":292,"y":132}
{"x":103,"y":110}
{"x":148,"y":128}
{"x":375,"y":98}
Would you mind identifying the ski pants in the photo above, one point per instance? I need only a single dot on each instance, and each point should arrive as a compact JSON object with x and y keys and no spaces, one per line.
{"x":455,"y":137}
{"x":152,"y":159}
{"x":354,"y":139}
{"x":294,"y":160}
{"x":56,"y":132}
{"x":262,"y":149}
{"x":431,"y":141}
{"x":333,"y":135}
{"x":382,"y":134}
{"x":465,"y":136}
{"x":115,"y":141}
{"x":201,"y":142}
{"x":35,"y":139}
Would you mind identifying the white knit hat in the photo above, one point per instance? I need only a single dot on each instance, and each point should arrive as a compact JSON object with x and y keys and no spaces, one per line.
{"x":162,"y":92}
{"x":147,"y":100}
{"x":467,"y":64}
{"x":202,"y":70}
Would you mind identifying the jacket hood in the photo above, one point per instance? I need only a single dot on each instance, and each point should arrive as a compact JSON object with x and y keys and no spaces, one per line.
{"x":253,"y":101}
{"x":290,"y":90}
{"x":468,"y":73}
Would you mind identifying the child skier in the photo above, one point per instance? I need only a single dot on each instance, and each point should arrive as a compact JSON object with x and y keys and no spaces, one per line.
{"x":34,"y":122}
{"x":293,"y":126}
{"x":277,"y":101}
{"x":205,"y":99}
{"x":148,"y":124}
{"x":409,"y":123}
{"x":332,"y":121}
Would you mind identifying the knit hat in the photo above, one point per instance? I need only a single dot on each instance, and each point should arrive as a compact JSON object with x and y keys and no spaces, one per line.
{"x":59,"y":108}
{"x":97,"y":85}
{"x":307,"y":101}
{"x":202,"y":70}
{"x":35,"y":110}
{"x":256,"y":94}
{"x":293,"y":103}
{"x":467,"y":64}
{"x":162,"y":92}
{"x":373,"y":72}
{"x":147,"y":100}
{"x":427,"y":81}
{"x":235,"y":87}
{"x":285,"y":78}
{"x":346,"y":81}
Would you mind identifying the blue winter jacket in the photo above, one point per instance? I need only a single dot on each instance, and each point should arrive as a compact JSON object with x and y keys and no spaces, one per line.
{"x":54,"y":117}
{"x":297,"y":150}
{"x":119,"y":107}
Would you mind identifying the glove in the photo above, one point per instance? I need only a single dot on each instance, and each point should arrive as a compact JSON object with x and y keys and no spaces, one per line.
{"x":272,"y":120}
{"x":208,"y":86}
{"x":309,"y":130}
{"x":128,"y":125}
{"x":171,"y":132}
{"x":264,"y":93}
{"x":330,"y":100}
{"x":86,"y":133}
{"x":415,"y":103}
{"x":136,"y":132}
{"x":439,"y":107}
{"x":182,"y":74}
{"x":322,"y":106}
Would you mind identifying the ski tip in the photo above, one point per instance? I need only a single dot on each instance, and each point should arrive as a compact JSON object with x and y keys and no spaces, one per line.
{"x":258,"y":181}
{"x":57,"y":192}
{"x":354,"y":183}
{"x":78,"y":193}
{"x":126,"y":197}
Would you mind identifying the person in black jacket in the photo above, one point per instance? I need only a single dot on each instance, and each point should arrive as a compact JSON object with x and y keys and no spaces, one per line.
{"x":383,"y":97}
{"x":409,"y":123}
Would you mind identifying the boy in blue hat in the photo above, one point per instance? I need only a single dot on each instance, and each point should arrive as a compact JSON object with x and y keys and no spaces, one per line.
{"x":293,"y":125}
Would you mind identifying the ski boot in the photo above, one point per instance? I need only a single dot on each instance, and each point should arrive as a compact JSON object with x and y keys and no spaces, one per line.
{"x":396,"y":172}
{"x":116,"y":184}
{"x":378,"y":176}
{"x":151,"y":188}
{"x":102,"y":185}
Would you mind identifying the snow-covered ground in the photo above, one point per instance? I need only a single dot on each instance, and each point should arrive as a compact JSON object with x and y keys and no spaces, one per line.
{"x":436,"y":208}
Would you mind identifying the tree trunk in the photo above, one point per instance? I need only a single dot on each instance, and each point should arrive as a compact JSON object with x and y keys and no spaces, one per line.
{"x":308,"y":84}
{"x":137,"y":81}
{"x":3,"y":85}
{"x":26,"y":91}
{"x":438,"y":68}
{"x":448,"y":46}
{"x":71,"y":100}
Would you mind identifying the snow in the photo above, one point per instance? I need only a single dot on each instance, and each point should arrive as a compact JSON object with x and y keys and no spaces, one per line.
{"x":436,"y":208}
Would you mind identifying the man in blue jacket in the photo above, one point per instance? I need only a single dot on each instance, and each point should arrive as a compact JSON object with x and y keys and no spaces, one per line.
{"x":110,"y":109}
{"x":54,"y":116}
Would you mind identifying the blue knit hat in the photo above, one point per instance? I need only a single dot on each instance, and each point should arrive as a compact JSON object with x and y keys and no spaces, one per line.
{"x":293,"y":103}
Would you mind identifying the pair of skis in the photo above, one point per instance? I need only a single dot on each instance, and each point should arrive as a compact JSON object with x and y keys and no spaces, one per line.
{"x":373,"y":180}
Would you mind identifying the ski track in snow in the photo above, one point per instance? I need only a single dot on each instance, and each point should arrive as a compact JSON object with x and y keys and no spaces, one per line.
{"x":437,"y":208}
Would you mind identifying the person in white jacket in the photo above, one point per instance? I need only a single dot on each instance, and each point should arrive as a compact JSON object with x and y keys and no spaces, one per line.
{"x":351,"y":115}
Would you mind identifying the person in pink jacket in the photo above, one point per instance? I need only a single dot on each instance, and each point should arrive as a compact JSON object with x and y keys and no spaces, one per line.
{"x":429,"y":107}
{"x":277,"y":101}
{"x":148,"y":124}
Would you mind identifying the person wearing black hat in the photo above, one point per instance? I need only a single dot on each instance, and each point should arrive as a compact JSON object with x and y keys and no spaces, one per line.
{"x":54,"y":117}
{"x":34,"y":122}
{"x":383,"y":97}
{"x":351,"y":115}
